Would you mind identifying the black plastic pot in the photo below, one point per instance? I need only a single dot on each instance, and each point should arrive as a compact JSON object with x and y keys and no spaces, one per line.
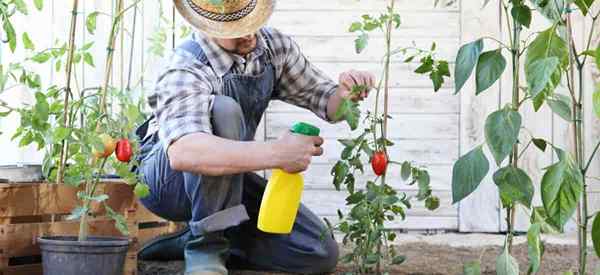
{"x":65,"y":255}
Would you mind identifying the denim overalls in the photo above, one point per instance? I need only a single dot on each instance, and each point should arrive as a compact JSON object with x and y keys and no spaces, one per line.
{"x":230,"y":203}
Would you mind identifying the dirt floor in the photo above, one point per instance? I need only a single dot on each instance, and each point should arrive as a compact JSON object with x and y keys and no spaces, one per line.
{"x":445,"y":255}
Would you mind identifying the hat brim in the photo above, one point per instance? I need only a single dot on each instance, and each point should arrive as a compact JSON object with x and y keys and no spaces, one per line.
{"x":249,"y":24}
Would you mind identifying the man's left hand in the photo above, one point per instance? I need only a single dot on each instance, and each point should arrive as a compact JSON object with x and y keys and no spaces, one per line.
{"x":352,"y":78}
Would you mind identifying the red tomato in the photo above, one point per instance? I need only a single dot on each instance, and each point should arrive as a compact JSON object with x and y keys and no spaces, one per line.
{"x":123,"y":151}
{"x":379,"y":163}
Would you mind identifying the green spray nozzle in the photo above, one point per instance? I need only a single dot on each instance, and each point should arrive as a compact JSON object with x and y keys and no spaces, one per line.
{"x":306,"y":129}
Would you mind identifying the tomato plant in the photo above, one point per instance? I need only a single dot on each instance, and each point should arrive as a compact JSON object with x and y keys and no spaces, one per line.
{"x":375,"y":202}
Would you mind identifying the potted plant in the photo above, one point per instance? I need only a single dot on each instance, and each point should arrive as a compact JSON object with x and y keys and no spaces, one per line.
{"x":80,"y":129}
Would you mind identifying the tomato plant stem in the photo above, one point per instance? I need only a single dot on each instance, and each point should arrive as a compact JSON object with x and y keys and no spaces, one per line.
{"x":69,"y":70}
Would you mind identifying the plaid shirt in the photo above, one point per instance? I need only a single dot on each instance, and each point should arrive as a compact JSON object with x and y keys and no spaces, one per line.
{"x":183,"y":94}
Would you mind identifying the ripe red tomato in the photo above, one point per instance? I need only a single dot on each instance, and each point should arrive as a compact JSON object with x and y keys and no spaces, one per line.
{"x":379,"y":163}
{"x":123,"y":151}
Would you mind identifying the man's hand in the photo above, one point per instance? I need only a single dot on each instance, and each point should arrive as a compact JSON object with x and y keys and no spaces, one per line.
{"x":353,"y":78}
{"x":294,"y":152}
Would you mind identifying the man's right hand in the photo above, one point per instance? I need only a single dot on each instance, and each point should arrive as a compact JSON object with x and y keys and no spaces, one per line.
{"x":294,"y":151}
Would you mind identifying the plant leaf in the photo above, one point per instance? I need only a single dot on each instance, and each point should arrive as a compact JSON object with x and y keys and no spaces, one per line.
{"x":551,"y":9}
{"x":515,"y":186}
{"x":501,"y":132}
{"x":466,"y":59}
{"x":539,"y":216}
{"x":120,"y":222}
{"x":468,"y":172}
{"x":522,"y":14}
{"x":11,"y":36}
{"x":90,"y":22}
{"x":77,"y":213}
{"x":539,"y":74}
{"x":506,"y":264}
{"x":472,"y":268}
{"x":21,"y":6}
{"x":27,"y":42}
{"x":141,"y":190}
{"x":535,"y":248}
{"x":584,"y":5}
{"x":490,"y":67}
{"x":540,"y":144}
{"x":405,"y":170}
{"x":596,"y":101}
{"x":561,"y":105}
{"x":360,"y":43}
{"x":348,"y":110}
{"x":561,"y":189}
{"x":546,"y":44}
{"x":596,"y":234}
{"x":39,"y":4}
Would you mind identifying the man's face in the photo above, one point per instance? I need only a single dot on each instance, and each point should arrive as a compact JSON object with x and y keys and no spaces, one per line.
{"x":242,"y":45}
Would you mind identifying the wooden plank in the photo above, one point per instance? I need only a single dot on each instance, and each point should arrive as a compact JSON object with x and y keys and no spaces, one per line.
{"x":403,"y":6}
{"x":418,"y":127}
{"x":479,"y":211}
{"x":326,"y":202}
{"x":44,"y":198}
{"x":32,"y":269}
{"x":402,"y":101}
{"x":335,"y":23}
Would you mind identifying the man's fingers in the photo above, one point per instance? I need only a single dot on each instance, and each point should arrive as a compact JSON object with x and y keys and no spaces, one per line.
{"x":318,"y":151}
{"x":317,"y":141}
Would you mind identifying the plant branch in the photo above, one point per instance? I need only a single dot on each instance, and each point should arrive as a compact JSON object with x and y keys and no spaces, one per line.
{"x":589,"y":162}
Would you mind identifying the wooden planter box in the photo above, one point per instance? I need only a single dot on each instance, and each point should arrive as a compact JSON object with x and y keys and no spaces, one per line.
{"x":29,"y":210}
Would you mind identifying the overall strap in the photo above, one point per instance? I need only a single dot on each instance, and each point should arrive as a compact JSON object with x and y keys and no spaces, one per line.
{"x":193,"y":48}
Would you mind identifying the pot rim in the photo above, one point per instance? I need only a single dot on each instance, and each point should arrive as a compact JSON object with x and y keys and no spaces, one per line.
{"x":93,"y":241}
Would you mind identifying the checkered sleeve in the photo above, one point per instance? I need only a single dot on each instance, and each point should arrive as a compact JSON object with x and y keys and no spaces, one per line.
{"x":183,"y":105}
{"x":300,"y":82}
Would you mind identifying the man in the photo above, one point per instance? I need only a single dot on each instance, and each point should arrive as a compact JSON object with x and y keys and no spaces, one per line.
{"x":198,"y":150}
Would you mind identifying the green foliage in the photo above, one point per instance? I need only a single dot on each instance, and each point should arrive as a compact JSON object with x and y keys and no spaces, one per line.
{"x":472,"y":268}
{"x":466,"y":59}
{"x":506,"y":264}
{"x":561,"y":105}
{"x":522,"y":14}
{"x":596,"y":101}
{"x":535,"y":248}
{"x":561,"y":189}
{"x":348,"y":111}
{"x":596,"y":234}
{"x":552,"y":10}
{"x":468,"y":172}
{"x":490,"y":67}
{"x":90,"y":22}
{"x":584,"y":5}
{"x":514,"y":185}
{"x":502,"y":132}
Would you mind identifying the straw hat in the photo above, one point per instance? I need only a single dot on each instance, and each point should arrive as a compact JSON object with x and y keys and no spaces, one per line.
{"x":235,"y":18}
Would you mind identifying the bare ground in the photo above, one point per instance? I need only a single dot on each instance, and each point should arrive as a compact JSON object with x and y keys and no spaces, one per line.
{"x":426,"y":257}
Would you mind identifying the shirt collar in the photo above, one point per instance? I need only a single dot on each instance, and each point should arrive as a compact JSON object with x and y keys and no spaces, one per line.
{"x":220,"y":60}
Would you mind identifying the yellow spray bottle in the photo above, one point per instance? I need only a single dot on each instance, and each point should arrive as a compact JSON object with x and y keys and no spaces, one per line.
{"x":281,"y":199}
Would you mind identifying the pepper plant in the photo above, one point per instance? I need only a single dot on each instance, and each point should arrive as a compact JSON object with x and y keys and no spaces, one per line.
{"x":546,"y":59}
{"x":76,"y":125}
{"x":376,"y":202}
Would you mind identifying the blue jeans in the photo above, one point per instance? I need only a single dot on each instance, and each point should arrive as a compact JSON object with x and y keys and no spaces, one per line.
{"x":231,"y":203}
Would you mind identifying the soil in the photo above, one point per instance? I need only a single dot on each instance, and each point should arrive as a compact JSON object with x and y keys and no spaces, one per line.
{"x":431,"y":258}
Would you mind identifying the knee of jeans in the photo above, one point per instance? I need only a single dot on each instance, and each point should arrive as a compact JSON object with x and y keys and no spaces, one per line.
{"x":329,"y":260}
{"x":227,"y":118}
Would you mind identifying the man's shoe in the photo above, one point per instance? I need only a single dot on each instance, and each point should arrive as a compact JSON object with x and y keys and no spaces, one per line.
{"x":206,"y":255}
{"x":167,"y":247}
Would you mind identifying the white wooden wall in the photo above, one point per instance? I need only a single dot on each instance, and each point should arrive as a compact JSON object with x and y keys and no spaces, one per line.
{"x":430,"y":129}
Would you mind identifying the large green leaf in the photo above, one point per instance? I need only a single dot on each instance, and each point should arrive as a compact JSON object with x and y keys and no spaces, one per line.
{"x":596,"y":101}
{"x":539,"y":216}
{"x":561,"y":189}
{"x":584,"y":5}
{"x":535,"y":248}
{"x":472,"y":268}
{"x":465,"y":62}
{"x":514,"y":185}
{"x":551,"y":9}
{"x":596,"y":234}
{"x":501,"y":132}
{"x":506,"y":264}
{"x":522,"y":14}
{"x":490,"y":67}
{"x":561,"y":105}
{"x":547,"y":44}
{"x":539,"y":73}
{"x":468,"y":172}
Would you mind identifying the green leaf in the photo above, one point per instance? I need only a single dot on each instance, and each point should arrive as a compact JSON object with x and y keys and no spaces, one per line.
{"x":584,"y":5}
{"x":465,"y":62}
{"x":120,"y":222}
{"x":540,"y":144}
{"x":539,"y":216}
{"x":398,"y":260}
{"x":77,"y":213}
{"x":551,"y":9}
{"x":437,"y":75}
{"x":561,"y":189}
{"x":21,"y":6}
{"x":432,"y":203}
{"x":339,"y":172}
{"x":468,"y":172}
{"x":561,"y":105}
{"x":596,"y":234}
{"x":596,"y":101}
{"x":501,"y":132}
{"x":360,"y":43}
{"x":535,"y":248}
{"x":598,"y":56}
{"x":521,"y":14}
{"x":514,"y":185}
{"x":39,"y":4}
{"x":90,"y":22}
{"x":490,"y":67}
{"x":11,"y":36}
{"x":472,"y":268}
{"x":424,"y":189}
{"x":356,"y":26}
{"x":27,"y":42}
{"x":141,"y":190}
{"x":547,"y":44}
{"x":87,"y":58}
{"x":60,"y":133}
{"x":426,"y":65}
{"x":539,"y":74}
{"x":405,"y":170}
{"x":348,"y":110}
{"x":506,"y":264}
{"x":41,"y":57}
